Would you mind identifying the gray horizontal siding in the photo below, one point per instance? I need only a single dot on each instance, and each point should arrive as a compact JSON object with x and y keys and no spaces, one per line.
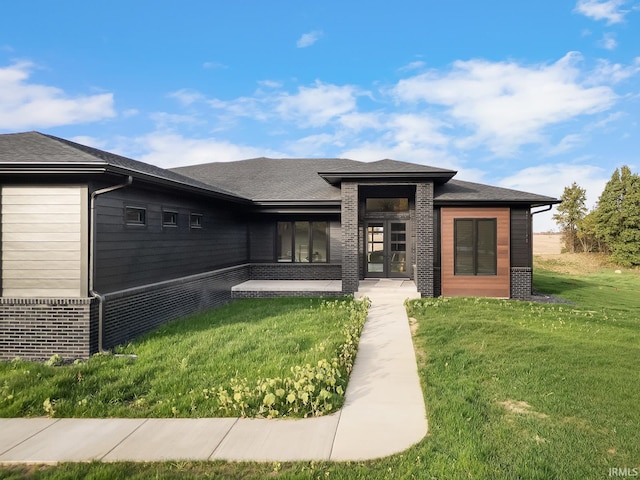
{"x":131,"y":255}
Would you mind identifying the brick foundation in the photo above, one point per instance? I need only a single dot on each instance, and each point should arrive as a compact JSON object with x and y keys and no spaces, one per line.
{"x":37,"y":328}
{"x":133,"y":312}
{"x":521,"y":283}
{"x":295,"y":271}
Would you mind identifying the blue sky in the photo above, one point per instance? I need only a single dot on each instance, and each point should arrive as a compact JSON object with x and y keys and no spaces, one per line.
{"x":526,"y":95}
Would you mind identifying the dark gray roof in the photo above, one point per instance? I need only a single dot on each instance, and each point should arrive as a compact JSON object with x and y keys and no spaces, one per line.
{"x":386,"y":169}
{"x":47,"y":151}
{"x":457,"y":191}
{"x":262,"y":180}
{"x":273,"y":179}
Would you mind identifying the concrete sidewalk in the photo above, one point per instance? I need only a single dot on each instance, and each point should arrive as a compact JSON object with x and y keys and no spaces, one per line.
{"x":383,"y":413}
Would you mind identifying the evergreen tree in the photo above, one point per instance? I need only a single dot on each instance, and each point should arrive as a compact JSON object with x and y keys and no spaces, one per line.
{"x":618,"y":217}
{"x":570,"y":214}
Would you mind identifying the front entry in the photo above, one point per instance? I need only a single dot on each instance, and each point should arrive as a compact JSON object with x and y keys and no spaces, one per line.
{"x":386,"y":249}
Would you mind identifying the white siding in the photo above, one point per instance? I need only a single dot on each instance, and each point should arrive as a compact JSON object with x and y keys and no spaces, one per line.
{"x":44,"y":241}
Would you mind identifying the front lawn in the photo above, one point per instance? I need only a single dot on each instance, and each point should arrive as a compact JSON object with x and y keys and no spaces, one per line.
{"x":241,"y":359}
{"x":513,"y":390}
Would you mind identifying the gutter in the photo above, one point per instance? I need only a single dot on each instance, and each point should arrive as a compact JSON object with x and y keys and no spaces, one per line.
{"x":92,"y":248}
{"x":549,"y":207}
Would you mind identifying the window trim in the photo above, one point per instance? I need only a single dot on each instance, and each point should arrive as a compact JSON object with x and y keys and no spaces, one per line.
{"x":475,"y":222}
{"x":142,"y":210}
{"x":310,"y":238}
{"x":198,"y":225}
{"x":175,"y":215}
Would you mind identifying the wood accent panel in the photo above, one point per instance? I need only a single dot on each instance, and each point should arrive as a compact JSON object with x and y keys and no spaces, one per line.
{"x":476,"y":285}
{"x":44,"y":238}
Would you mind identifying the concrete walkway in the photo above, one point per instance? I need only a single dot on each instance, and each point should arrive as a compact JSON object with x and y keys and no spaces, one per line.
{"x":383,"y":413}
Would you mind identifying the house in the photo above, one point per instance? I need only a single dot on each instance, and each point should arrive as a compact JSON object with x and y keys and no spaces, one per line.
{"x":98,"y":248}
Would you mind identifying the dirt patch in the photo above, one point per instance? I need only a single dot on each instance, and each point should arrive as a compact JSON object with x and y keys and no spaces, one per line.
{"x":521,"y":408}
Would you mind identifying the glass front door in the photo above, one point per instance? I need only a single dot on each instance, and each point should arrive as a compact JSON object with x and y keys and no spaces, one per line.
{"x":386,"y":249}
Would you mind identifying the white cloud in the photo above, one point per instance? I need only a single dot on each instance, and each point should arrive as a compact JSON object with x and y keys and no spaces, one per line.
{"x":186,"y":96}
{"x":568,"y":142}
{"x":317,"y":105}
{"x":551,"y":179}
{"x":28,"y":105}
{"x":417,"y":65}
{"x":608,"y":41}
{"x":607,"y":72}
{"x":609,"y":10}
{"x":309,"y":39}
{"x":506,"y":105}
{"x":169,"y":150}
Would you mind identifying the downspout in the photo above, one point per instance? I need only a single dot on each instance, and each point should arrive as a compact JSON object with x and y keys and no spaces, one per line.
{"x":92,"y":248}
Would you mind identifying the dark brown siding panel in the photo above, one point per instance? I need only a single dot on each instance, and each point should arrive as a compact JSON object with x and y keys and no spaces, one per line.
{"x":134,"y":255}
{"x":475,"y":285}
{"x":521,"y":252}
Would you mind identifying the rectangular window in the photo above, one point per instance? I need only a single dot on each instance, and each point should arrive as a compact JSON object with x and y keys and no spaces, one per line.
{"x":195,"y":220}
{"x":135,"y":216}
{"x":384,"y":205}
{"x":169,"y":219}
{"x":475,"y":245}
{"x":302,"y":242}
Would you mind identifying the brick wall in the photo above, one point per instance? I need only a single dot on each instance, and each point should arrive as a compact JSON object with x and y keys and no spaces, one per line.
{"x":424,"y":239}
{"x":295,"y":271}
{"x":350,"y":257}
{"x":130,"y":313}
{"x":521,"y":282}
{"x":37,"y":328}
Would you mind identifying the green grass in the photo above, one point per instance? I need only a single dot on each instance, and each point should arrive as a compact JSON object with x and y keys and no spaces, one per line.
{"x":179,"y":367}
{"x":513,"y":390}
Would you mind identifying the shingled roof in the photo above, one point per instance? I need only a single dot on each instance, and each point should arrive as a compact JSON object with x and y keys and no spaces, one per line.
{"x":49,"y":153}
{"x":273,"y":179}
{"x":261,"y":180}
{"x":459,"y":192}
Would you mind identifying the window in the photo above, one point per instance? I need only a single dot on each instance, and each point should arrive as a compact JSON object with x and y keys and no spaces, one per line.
{"x":135,"y":216}
{"x":169,"y":219}
{"x":384,"y":205}
{"x":302,"y":242}
{"x":475,"y":246}
{"x":195,"y":220}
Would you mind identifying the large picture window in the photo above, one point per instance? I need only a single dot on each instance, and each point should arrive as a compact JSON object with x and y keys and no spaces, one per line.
{"x":475,"y":246}
{"x":303,"y":242}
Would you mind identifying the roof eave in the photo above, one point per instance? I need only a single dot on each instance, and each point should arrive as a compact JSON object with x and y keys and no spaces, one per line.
{"x":99,"y":168}
{"x":484,"y":202}
{"x":335,"y":178}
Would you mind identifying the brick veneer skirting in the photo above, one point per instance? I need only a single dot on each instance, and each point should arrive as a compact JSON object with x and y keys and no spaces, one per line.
{"x":37,"y":328}
{"x":296,"y":271}
{"x":130,"y":313}
{"x":521,"y":282}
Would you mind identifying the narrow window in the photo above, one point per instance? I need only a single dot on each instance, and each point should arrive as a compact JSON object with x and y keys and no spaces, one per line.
{"x":475,"y":246}
{"x":302,"y":242}
{"x":169,"y":219}
{"x":135,"y":216}
{"x":195,"y":220}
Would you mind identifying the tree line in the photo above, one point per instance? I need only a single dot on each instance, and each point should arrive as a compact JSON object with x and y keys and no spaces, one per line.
{"x":611,"y":227}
